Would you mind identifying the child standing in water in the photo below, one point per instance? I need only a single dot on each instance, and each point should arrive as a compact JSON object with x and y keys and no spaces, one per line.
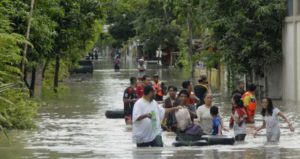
{"x":270,"y":120}
{"x":238,"y":118}
{"x":216,"y":121}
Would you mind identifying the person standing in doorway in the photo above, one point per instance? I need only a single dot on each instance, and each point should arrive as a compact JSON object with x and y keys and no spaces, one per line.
{"x":147,"y":116}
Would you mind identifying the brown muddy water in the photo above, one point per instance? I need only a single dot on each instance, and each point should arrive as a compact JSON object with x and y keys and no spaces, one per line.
{"x":73,"y":125}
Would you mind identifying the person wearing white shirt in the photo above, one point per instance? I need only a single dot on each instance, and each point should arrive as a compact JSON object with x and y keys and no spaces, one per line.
{"x":147,"y":116}
{"x":271,"y":121}
{"x":203,"y":114}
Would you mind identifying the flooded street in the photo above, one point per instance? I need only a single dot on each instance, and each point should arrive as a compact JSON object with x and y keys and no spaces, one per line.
{"x":73,"y":125}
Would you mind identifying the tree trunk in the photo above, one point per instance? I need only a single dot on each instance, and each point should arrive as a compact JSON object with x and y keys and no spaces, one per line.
{"x":56,"y":73}
{"x":27,"y":37}
{"x":25,"y":78}
{"x":266,"y":93}
{"x":190,"y":43}
{"x":253,"y":76}
{"x":32,"y":83}
{"x":38,"y":80}
{"x":45,"y":67}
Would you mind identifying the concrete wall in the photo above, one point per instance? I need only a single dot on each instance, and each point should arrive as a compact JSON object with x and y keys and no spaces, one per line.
{"x":274,"y":75}
{"x":289,"y":65}
{"x":291,"y":55}
{"x":297,"y":52}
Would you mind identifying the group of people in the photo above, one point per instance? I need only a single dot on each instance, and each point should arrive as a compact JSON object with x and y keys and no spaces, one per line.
{"x":190,"y":110}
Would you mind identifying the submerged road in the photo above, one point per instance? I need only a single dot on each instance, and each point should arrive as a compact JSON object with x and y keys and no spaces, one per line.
{"x":73,"y":125}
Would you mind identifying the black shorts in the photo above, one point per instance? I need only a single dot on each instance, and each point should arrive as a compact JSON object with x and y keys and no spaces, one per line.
{"x":157,"y":142}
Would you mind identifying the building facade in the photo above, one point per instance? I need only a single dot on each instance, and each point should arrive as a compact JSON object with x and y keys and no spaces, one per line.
{"x":291,"y":52}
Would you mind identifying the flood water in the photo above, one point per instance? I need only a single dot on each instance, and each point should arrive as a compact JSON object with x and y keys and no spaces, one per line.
{"x":73,"y":125}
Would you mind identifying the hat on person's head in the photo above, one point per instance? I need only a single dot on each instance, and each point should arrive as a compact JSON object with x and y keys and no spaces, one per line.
{"x":141,"y":60}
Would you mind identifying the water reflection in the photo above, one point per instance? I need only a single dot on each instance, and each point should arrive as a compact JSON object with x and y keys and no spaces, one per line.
{"x":74,"y":126}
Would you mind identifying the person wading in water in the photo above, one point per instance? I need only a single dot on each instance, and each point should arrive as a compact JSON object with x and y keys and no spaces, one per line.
{"x":147,"y":116}
{"x":250,"y":103}
{"x":129,"y":98}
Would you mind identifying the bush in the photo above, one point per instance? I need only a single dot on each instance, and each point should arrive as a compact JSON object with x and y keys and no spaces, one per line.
{"x":20,"y":112}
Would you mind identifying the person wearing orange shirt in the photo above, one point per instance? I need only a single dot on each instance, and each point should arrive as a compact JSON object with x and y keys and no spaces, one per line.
{"x":250,"y":103}
{"x":158,"y":88}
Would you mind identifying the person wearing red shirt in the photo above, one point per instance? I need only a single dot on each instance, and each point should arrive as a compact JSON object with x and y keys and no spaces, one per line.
{"x":129,"y":99}
{"x":145,"y":80}
{"x":192,"y":100}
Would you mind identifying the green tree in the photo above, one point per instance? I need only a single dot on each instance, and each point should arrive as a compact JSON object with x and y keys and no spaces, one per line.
{"x":155,"y":27}
{"x":78,"y":25}
{"x":16,"y":110}
{"x":246,"y":33}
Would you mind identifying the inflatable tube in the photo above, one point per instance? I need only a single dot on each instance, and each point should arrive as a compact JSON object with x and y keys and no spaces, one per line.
{"x":114,"y":114}
{"x":187,"y":137}
{"x":219,"y":140}
{"x":204,"y":140}
{"x":190,"y":143}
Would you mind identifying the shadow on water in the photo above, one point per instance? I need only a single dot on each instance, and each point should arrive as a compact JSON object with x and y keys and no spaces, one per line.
{"x":74,"y":125}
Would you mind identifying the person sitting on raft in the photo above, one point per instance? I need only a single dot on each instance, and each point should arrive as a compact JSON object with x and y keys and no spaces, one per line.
{"x":146,"y":120}
{"x":238,"y":118}
{"x":271,"y":122}
{"x":129,"y":98}
{"x":203,"y":114}
{"x":169,"y":123}
{"x":216,"y":121}
{"x":183,"y":98}
{"x":204,"y":117}
{"x":192,"y":99}
{"x":185,"y":128}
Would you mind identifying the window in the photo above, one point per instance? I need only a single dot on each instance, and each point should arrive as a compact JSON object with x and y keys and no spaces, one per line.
{"x":290,"y":10}
{"x":298,"y":7}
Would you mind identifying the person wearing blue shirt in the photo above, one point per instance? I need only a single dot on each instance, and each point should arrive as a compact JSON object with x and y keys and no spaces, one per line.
{"x":216,"y":121}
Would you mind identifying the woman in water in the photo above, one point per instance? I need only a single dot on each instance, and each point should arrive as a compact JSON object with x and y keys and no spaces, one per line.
{"x":271,"y":122}
{"x":238,"y":118}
